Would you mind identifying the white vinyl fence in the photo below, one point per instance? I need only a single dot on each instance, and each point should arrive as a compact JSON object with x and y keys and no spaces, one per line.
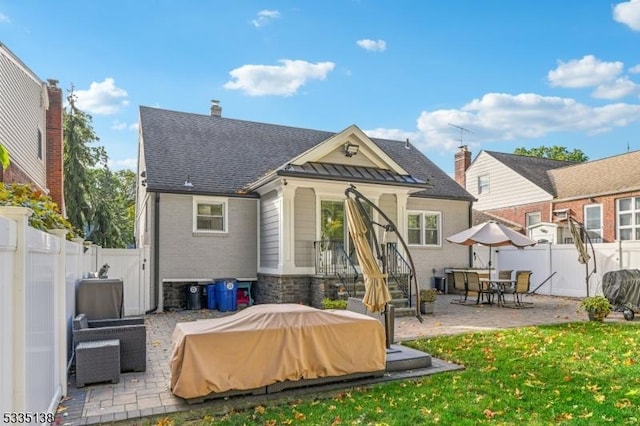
{"x":39,"y":274}
{"x":560,"y":262}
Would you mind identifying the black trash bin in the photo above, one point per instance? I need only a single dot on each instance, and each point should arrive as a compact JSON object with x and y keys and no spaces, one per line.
{"x":440,"y":284}
{"x":194,"y":296}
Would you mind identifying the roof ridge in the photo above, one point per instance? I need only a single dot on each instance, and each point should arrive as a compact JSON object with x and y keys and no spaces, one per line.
{"x":238,"y":120}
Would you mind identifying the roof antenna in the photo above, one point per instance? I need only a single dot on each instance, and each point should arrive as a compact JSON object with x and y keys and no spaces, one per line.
{"x":462,"y":129}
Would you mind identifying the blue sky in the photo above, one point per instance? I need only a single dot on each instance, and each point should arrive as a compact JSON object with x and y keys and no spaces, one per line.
{"x":513,"y":73}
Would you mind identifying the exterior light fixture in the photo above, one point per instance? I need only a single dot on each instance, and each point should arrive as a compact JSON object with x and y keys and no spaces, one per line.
{"x":187,"y":183}
{"x":351,"y":149}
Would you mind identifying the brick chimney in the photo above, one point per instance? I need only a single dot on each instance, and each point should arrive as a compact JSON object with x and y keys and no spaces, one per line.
{"x":54,"y":145}
{"x":216,"y":109}
{"x":462,"y":163}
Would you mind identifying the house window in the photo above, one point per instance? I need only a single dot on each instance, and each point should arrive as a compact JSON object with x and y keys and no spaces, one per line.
{"x":593,"y":222}
{"x":210,"y":215}
{"x":332,"y":220}
{"x":629,"y":218}
{"x":39,"y":144}
{"x":483,"y":184}
{"x":532,"y":219}
{"x":561,"y":214}
{"x":423,"y":228}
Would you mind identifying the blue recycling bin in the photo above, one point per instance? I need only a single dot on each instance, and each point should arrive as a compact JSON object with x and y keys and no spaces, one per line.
{"x":211,"y":295}
{"x":227,"y":294}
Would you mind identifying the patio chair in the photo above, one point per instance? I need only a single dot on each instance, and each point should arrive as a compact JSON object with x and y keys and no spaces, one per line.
{"x":131,"y":332}
{"x":460,"y":284}
{"x":474,"y":284}
{"x":520,"y":286}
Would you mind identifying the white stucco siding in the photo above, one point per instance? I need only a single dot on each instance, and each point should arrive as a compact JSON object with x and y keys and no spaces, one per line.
{"x":185,"y":254}
{"x":304,"y":226}
{"x":506,"y":187}
{"x":270,"y":214}
{"x":454,"y":218}
{"x":23,"y":105}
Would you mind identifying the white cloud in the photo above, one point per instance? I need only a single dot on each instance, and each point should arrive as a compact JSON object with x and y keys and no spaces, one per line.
{"x":586,"y":72}
{"x":121,"y":125}
{"x":264,"y":17}
{"x":372,"y":45}
{"x":282,"y":80}
{"x":635,"y":70}
{"x":127,"y":163}
{"x":118,"y":125}
{"x":617,"y":89}
{"x":4,"y":18}
{"x":103,"y":98}
{"x":628,"y":13}
{"x":505,"y":117}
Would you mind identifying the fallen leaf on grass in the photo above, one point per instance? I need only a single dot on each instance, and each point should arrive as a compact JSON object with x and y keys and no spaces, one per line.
{"x":488,"y":413}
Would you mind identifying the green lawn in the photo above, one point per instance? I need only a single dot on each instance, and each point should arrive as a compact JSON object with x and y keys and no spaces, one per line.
{"x":575,"y":374}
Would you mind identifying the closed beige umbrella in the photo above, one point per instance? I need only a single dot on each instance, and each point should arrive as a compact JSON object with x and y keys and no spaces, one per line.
{"x":376,"y":294}
{"x":583,"y":256}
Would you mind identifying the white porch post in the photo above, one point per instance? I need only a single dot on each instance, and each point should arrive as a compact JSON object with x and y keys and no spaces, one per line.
{"x":287,"y":229}
{"x":402,"y":215}
{"x":20,"y":215}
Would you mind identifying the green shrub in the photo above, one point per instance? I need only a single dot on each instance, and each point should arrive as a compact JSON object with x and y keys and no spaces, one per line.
{"x":46,"y":214}
{"x":334,"y":304}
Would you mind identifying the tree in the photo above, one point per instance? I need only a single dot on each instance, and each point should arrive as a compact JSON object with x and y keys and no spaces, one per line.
{"x":553,"y":153}
{"x":113,"y":201}
{"x":103,"y":227}
{"x":79,"y":159}
{"x":4,"y":157}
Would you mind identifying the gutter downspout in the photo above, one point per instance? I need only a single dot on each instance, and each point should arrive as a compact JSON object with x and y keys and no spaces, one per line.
{"x":156,"y":252}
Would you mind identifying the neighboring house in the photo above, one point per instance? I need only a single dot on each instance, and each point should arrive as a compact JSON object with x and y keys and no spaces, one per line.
{"x":537,"y":195}
{"x":31,"y":127}
{"x":220,"y":197}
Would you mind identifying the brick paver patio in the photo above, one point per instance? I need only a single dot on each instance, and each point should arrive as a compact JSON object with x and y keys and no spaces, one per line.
{"x":143,"y":394}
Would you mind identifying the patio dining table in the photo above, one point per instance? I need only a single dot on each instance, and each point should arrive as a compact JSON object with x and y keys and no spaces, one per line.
{"x":498,"y":285}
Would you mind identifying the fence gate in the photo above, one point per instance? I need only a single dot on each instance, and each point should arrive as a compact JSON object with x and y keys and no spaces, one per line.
{"x":130,"y":265}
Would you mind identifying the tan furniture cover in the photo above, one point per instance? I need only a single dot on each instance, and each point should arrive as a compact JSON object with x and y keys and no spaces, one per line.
{"x":269,"y":343}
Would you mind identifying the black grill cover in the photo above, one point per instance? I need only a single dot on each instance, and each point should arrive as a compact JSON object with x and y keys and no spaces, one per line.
{"x":622,"y":287}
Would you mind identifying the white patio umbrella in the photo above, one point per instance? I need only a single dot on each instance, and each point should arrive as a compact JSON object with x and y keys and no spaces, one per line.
{"x":492,"y":234}
{"x":376,"y":293}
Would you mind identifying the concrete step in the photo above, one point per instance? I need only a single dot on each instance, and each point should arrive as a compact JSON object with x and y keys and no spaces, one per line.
{"x":404,"y":312}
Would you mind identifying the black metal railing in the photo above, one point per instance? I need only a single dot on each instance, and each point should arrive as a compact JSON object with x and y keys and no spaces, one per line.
{"x":333,"y":260}
{"x":398,"y":269}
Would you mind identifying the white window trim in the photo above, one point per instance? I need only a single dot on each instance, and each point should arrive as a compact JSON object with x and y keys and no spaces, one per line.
{"x":632,"y":212}
{"x":487,"y":184}
{"x":584,"y":212}
{"x":532,"y":214}
{"x":422,"y":214}
{"x":210,"y":200}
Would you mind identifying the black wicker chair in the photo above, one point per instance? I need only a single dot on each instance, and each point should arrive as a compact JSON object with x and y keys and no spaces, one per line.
{"x":131,"y":332}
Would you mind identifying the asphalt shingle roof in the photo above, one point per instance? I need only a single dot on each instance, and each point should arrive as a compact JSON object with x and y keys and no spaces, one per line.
{"x":620,"y":173}
{"x":223,"y":156}
{"x":532,"y":168}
